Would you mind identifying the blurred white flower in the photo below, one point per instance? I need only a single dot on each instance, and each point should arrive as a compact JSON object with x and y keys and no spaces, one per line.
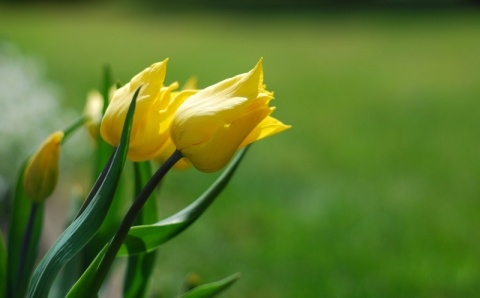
{"x":29,"y":109}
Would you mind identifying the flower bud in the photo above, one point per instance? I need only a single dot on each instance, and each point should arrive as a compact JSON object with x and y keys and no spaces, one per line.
{"x":93,"y":110}
{"x":41,"y":172}
{"x":212,"y":124}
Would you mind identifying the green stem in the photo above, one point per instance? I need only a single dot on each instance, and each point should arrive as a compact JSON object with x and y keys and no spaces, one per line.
{"x":128,"y":221}
{"x":74,"y":126}
{"x":26,"y":242}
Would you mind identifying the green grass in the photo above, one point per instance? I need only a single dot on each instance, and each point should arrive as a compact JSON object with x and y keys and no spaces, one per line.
{"x":374,"y":192}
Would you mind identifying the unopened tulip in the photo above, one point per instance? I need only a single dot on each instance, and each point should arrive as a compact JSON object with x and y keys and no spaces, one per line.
{"x":41,"y":172}
{"x":93,"y":110}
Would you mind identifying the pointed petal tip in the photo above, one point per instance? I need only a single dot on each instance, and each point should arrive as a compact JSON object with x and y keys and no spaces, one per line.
{"x":259,"y":63}
{"x":57,"y":136}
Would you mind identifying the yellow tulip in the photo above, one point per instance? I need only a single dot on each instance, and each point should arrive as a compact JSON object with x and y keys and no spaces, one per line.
{"x":211,"y":125}
{"x":154,"y":106}
{"x":41,"y":172}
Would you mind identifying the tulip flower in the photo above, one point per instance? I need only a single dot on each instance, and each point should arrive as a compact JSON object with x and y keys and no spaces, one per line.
{"x":154,"y":106}
{"x":41,"y":172}
{"x":212,"y":124}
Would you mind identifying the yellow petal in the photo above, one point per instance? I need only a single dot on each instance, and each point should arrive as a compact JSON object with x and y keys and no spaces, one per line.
{"x":148,"y":137}
{"x":193,"y":128}
{"x":223,"y":101}
{"x":190,"y":84}
{"x":151,"y":80}
{"x":214,"y":154}
{"x":268,"y":127}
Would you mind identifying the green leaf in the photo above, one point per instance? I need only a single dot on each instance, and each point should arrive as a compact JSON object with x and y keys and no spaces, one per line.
{"x":140,"y":267}
{"x":104,"y":150}
{"x":112,"y":219}
{"x":146,"y":238}
{"x":212,"y":289}
{"x":138,"y":275}
{"x":79,"y":289}
{"x":116,"y":212}
{"x":79,"y":233}
{"x":17,"y":286}
{"x":3,"y":267}
{"x":74,"y":268}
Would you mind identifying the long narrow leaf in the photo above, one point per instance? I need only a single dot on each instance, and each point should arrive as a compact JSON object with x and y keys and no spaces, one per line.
{"x":78,"y":290}
{"x":111,"y":221}
{"x":115,"y":213}
{"x":140,"y":266}
{"x":211,"y":289}
{"x":74,"y":268}
{"x":146,"y":238}
{"x":104,"y":150}
{"x":138,"y":275}
{"x":18,"y":224}
{"x":3,"y":267}
{"x":79,"y":233}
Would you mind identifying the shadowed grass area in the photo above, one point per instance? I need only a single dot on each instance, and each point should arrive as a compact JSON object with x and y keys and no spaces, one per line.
{"x":373,"y":193}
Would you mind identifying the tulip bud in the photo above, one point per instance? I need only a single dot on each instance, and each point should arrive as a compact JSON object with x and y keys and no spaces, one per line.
{"x":93,"y":110}
{"x":41,"y":172}
{"x":212,"y":124}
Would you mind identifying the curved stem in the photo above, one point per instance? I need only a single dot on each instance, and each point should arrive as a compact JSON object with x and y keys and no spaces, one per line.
{"x":128,"y":221}
{"x":74,"y":126}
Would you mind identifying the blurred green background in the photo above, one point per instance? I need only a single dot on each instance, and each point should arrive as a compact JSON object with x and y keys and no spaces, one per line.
{"x":374,"y":192}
